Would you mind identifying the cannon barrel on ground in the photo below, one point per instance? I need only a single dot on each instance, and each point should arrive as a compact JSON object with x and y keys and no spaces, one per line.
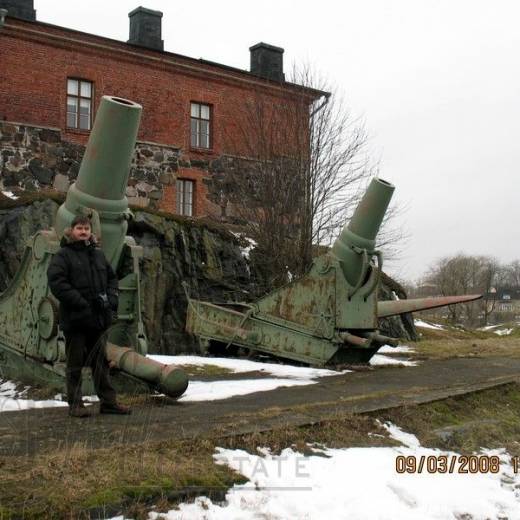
{"x":168,"y":379}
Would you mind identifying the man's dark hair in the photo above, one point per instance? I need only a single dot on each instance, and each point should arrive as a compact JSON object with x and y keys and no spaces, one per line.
{"x":80,"y":219}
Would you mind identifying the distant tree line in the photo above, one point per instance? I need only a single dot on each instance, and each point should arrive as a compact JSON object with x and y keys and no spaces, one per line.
{"x":468,"y":274}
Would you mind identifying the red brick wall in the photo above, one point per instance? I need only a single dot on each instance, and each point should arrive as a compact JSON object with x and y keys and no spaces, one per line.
{"x":169,"y":199}
{"x":35,"y":68}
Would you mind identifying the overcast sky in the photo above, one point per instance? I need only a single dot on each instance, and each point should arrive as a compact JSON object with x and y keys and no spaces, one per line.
{"x":437,"y":82}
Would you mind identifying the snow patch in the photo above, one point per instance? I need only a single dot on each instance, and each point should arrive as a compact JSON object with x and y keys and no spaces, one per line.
{"x":488,"y":327}
{"x":354,"y":483}
{"x":251,"y":244}
{"x":407,"y":439}
{"x":284,"y":375}
{"x":401,"y":349}
{"x":425,"y":325}
{"x":11,"y":399}
{"x":214,"y":390}
{"x":10,"y":194}
{"x":503,"y":332}
{"x":379,"y":360}
{"x":245,"y":365}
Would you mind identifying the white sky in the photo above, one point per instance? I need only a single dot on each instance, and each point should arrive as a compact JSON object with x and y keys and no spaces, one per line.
{"x":437,"y":82}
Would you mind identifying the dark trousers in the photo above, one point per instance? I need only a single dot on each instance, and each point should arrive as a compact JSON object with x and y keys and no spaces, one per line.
{"x":87,"y":348}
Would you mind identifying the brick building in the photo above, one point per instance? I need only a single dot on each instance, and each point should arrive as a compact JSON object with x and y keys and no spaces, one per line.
{"x":53,"y":79}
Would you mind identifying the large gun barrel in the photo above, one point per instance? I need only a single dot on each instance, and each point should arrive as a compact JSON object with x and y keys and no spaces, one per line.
{"x":30,"y":338}
{"x":330,"y":315}
{"x":359,"y":236}
{"x":168,"y":379}
{"x":99,"y":190}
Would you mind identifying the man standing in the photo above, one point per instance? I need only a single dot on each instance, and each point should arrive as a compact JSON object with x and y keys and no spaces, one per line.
{"x":86,"y":286}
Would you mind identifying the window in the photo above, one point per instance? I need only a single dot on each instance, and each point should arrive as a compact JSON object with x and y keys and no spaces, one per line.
{"x":79,"y":104}
{"x":185,"y":190}
{"x":200,"y":125}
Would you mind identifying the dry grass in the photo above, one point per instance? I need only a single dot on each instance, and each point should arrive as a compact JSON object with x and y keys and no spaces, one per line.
{"x":80,"y":481}
{"x":71,"y":482}
{"x":444,"y":349}
{"x":205,"y":370}
{"x":488,"y":418}
{"x":454,"y":342}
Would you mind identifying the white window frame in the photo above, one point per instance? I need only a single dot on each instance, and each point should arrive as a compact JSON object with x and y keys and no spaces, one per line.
{"x":200,"y":125}
{"x":185,"y":197}
{"x":80,"y":94}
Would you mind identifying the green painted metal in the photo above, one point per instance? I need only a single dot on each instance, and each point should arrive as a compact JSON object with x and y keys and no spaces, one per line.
{"x":327,"y":317}
{"x":356,"y":244}
{"x":32,"y":346}
{"x":26,"y":370}
{"x":166,"y":378}
{"x":393,"y":308}
{"x":100,"y":187}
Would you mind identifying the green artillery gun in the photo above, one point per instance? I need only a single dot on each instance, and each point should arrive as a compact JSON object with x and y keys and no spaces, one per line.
{"x":32,"y":348}
{"x":330,"y":315}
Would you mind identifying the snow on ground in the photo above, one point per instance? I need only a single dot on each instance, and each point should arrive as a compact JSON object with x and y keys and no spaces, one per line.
{"x":407,"y":439}
{"x":379,"y":360}
{"x":488,"y":327}
{"x":503,"y":332}
{"x":213,"y":390}
{"x":425,"y":325}
{"x":251,"y":244}
{"x":401,"y":349}
{"x":285,"y":375}
{"x":12,"y":400}
{"x":358,"y":484}
{"x":245,"y":365}
{"x":500,"y":331}
{"x":9,"y":194}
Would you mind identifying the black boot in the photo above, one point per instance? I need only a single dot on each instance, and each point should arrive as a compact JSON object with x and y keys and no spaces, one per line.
{"x":78,"y":410}
{"x":114,"y":408}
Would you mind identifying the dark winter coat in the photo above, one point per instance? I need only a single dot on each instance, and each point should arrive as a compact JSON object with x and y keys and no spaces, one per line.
{"x":77,"y":275}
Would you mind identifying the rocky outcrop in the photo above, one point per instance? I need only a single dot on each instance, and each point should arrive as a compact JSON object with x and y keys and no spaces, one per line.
{"x":17,"y":225}
{"x":181,"y":257}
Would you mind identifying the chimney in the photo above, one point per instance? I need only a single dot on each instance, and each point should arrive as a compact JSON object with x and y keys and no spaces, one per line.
{"x":267,"y":61}
{"x":145,"y":28}
{"x":23,"y":9}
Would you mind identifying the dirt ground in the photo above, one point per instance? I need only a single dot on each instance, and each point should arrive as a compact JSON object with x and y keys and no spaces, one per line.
{"x":48,"y":430}
{"x":52,"y":466}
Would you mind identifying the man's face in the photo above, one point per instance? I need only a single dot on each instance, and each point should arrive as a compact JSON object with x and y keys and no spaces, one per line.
{"x":81,"y":232}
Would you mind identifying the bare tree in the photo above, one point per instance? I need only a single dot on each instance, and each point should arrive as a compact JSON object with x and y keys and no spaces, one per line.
{"x":511,"y":275}
{"x":303,"y":162}
{"x":466,"y":274}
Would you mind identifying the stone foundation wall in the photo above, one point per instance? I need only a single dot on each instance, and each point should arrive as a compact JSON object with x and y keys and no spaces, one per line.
{"x":34,"y":158}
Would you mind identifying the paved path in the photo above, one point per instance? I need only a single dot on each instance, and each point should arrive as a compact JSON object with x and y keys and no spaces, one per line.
{"x":34,"y":431}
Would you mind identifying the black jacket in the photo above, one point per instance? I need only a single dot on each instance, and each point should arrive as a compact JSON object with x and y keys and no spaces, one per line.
{"x":77,"y":275}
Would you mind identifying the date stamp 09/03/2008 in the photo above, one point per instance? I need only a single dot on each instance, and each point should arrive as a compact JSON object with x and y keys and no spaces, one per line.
{"x":452,"y":464}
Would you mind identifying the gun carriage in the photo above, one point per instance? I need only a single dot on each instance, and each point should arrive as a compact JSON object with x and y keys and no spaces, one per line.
{"x":32,"y":347}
